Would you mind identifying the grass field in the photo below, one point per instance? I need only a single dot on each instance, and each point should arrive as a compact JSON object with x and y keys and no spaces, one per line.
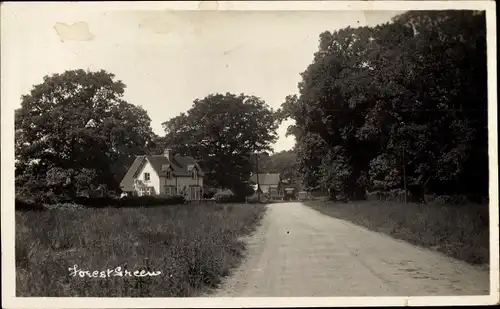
{"x":193,"y":246}
{"x":460,"y":232}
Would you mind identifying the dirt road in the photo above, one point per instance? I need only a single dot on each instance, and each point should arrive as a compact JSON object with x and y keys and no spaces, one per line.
{"x":300,"y":252}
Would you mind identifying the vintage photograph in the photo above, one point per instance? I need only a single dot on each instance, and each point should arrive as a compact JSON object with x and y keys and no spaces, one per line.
{"x":222,"y":152}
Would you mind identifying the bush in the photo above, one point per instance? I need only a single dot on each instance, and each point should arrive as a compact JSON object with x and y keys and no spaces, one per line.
{"x":95,"y":202}
{"x":24,"y":205}
{"x":39,"y":197}
{"x":243,"y":190}
{"x":209,"y":193}
{"x":68,"y":206}
{"x":132,"y":201}
{"x":140,"y":201}
{"x":451,"y":200}
{"x":226,"y":196}
{"x":264,"y":198}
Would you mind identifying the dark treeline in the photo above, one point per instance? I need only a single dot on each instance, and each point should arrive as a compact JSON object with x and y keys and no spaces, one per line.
{"x":76,"y":136}
{"x":223,"y":132}
{"x":412,"y":92}
{"x":283,"y":163}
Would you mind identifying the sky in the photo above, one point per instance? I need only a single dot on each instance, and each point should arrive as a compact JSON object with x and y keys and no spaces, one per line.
{"x":169,"y":58}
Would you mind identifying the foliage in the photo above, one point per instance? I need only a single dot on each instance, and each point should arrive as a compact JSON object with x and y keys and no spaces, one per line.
{"x":209,"y":192}
{"x":103,"y":202}
{"x":130,"y":201}
{"x":225,"y":196}
{"x":23,"y":205}
{"x":262,"y":198}
{"x":74,"y":132}
{"x":223,"y":132}
{"x":408,"y":96}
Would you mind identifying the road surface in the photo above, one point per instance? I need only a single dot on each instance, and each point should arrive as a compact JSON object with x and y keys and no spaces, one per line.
{"x":299,"y":252}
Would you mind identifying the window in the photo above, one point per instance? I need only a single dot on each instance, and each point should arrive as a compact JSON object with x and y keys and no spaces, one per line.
{"x":169,"y":174}
{"x":170,"y":190}
{"x":194,"y":175}
{"x":146,"y":177}
{"x":146,"y":191}
{"x":195,"y":193}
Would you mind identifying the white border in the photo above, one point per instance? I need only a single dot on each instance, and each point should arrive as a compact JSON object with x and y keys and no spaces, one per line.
{"x":7,"y":156}
{"x":333,"y":5}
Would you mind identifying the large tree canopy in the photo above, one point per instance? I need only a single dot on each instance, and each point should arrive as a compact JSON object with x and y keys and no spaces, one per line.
{"x":223,"y":132}
{"x":411,"y":93}
{"x":74,"y":131}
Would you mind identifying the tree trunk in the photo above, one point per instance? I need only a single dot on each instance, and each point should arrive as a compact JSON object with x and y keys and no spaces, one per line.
{"x":358,"y":194}
{"x":332,"y":196}
{"x":416,"y":194}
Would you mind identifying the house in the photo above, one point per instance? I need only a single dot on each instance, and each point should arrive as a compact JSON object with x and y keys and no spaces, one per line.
{"x":166,"y":174}
{"x":269,"y":183}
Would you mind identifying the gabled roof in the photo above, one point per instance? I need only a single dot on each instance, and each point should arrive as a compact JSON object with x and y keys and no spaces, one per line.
{"x":127,"y":183}
{"x":179,"y":165}
{"x":266,"y":179}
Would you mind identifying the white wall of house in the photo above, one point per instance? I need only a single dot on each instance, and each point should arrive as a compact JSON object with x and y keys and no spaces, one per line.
{"x":169,"y":181}
{"x":164,"y":182}
{"x":180,"y":183}
{"x":162,"y":185}
{"x":154,"y":179}
{"x":187,"y":182}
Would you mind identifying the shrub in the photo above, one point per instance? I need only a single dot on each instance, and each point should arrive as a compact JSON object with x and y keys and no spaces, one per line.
{"x":132,"y":201}
{"x":68,"y":206}
{"x":39,"y":197}
{"x":95,"y":202}
{"x":243,"y":190}
{"x":25,"y":205}
{"x":264,"y":198}
{"x":209,"y":193}
{"x":458,"y":199}
{"x":226,"y":196}
{"x":147,"y":201}
{"x":430,"y":198}
{"x":451,"y":200}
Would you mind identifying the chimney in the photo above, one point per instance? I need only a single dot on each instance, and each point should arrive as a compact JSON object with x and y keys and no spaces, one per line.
{"x":168,"y":153}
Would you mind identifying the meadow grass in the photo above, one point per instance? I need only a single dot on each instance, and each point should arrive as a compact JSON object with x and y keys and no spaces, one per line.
{"x":458,"y":231}
{"x":193,"y":246}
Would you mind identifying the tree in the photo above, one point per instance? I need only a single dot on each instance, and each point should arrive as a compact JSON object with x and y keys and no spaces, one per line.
{"x":410,"y":94}
{"x":442,"y":105}
{"x":223,"y":132}
{"x":74,"y":131}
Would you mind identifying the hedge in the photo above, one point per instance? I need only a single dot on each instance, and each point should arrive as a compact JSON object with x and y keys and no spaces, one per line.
{"x":22,"y":205}
{"x":103,"y":202}
{"x":132,"y":201}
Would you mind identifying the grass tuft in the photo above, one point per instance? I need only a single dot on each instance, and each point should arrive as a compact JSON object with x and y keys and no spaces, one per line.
{"x":194,"y":246}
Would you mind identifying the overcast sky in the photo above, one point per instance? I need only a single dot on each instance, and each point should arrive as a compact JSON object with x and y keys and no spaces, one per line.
{"x":167,"y":59}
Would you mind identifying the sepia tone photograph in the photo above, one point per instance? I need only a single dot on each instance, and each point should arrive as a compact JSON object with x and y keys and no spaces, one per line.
{"x":209,"y":151}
